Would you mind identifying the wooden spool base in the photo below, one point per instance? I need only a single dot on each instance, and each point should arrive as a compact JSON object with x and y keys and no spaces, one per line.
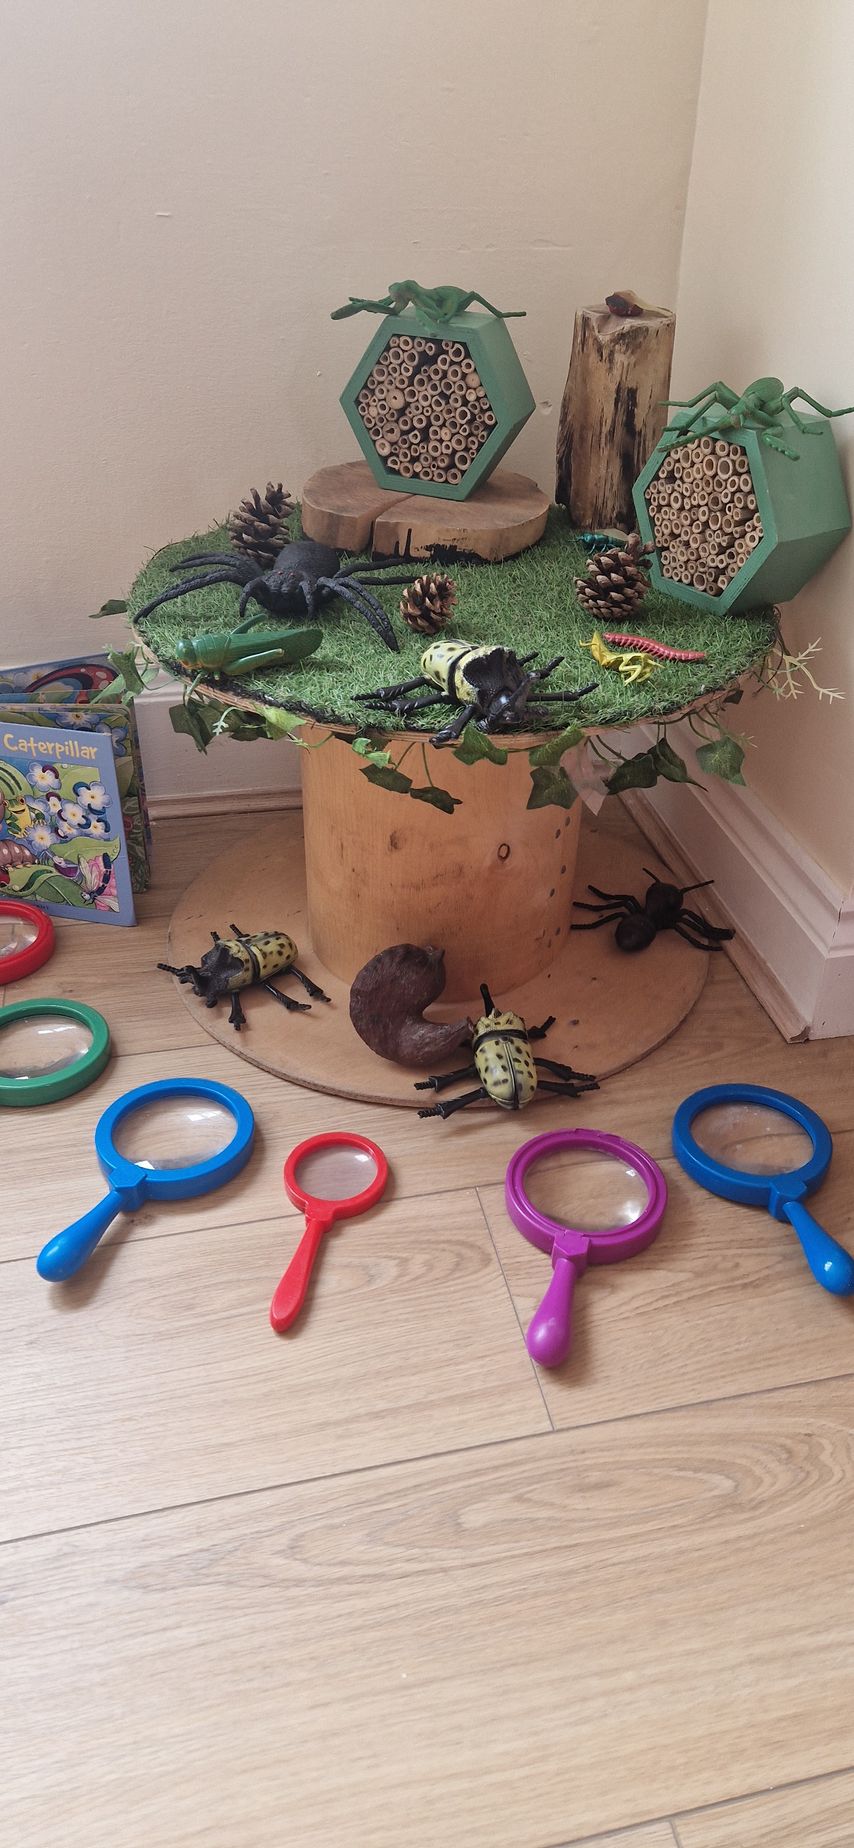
{"x":344,"y":507}
{"x":611,"y":1009}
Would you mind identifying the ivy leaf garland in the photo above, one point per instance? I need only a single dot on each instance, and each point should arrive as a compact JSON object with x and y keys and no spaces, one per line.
{"x":722,"y":756}
{"x":551,"y":787}
{"x":476,"y":746}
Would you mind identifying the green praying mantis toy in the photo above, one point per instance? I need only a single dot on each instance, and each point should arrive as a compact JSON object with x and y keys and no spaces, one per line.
{"x":430,"y":305}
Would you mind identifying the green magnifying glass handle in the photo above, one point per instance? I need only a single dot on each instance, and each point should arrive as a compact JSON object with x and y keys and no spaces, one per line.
{"x":831,"y":1265}
{"x":66,"y":1254}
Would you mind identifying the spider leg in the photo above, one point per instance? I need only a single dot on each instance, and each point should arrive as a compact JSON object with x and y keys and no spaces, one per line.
{"x":538,"y":1033}
{"x":366,"y":605}
{"x":613,"y":898}
{"x":310,"y":987}
{"x":613,"y":917}
{"x":456,"y":1103}
{"x":246,"y":566}
{"x":720,"y":932}
{"x":441,"y":1083}
{"x":293,"y":1007}
{"x":566,"y":1071}
{"x":181,"y":590}
{"x":457,"y":725}
{"x":246,"y":596}
{"x":695,"y":942}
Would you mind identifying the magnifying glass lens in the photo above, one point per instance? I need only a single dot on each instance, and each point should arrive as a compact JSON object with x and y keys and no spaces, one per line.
{"x":30,"y":1048}
{"x":586,"y":1190}
{"x":752,"y":1138}
{"x":15,"y":935}
{"x":336,"y":1173}
{"x":174,"y":1132}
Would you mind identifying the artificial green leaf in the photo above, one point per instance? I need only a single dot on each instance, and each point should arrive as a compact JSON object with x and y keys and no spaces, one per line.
{"x":85,"y":847}
{"x":187,"y":721}
{"x":128,"y":678}
{"x":363,"y":747}
{"x":281,"y":724}
{"x":722,"y":756}
{"x":388,"y":778}
{"x":437,"y":798}
{"x":475,"y":746}
{"x":668,"y":763}
{"x":636,"y":773}
{"x":555,"y":748}
{"x":550,"y":786}
{"x":115,"y":607}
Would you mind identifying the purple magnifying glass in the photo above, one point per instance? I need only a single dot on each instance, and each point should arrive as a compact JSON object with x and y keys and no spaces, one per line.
{"x":585,"y":1198}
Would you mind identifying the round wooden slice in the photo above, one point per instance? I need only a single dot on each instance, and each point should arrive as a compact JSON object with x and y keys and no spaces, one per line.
{"x":611,"y":1009}
{"x":344,"y":507}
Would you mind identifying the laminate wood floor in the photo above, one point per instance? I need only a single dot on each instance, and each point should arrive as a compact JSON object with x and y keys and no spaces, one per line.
{"x":380,"y":1583}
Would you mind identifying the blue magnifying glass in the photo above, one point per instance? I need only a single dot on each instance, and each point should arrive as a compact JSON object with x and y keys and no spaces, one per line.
{"x":165,"y":1141}
{"x":764,"y":1148}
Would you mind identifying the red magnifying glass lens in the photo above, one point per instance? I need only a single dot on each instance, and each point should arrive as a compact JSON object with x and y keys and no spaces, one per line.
{"x":330,"y":1170}
{"x":27,"y":939}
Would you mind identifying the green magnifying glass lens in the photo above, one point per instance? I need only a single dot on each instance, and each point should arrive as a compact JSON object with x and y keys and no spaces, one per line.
{"x":174,"y":1132}
{"x":49,"y":1049}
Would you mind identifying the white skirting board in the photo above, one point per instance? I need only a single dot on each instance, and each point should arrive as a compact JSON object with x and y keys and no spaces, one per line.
{"x":795,"y":928}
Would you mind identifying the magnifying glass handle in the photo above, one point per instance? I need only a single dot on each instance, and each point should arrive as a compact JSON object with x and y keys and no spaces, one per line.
{"x":67,"y":1253}
{"x":290,"y":1293}
{"x":550,"y":1331}
{"x":831,"y":1265}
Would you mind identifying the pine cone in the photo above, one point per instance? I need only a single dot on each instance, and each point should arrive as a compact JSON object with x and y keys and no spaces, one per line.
{"x":616,"y":581}
{"x":427,"y":604}
{"x":259,"y":527}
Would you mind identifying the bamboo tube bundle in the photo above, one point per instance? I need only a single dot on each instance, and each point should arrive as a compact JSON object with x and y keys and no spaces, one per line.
{"x":703,"y":513}
{"x":425,"y":409}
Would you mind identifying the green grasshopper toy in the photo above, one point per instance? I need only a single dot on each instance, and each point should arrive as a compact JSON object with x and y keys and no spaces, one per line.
{"x":430,"y":305}
{"x":236,"y":651}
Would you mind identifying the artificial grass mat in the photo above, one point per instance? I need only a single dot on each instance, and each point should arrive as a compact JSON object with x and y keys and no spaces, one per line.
{"x":527,"y":602}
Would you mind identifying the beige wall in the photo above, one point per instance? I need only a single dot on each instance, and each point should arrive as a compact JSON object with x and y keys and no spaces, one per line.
{"x":190,"y":186}
{"x":767,"y":285}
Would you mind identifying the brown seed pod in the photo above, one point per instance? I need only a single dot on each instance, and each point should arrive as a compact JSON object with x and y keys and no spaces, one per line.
{"x":387,"y":1001}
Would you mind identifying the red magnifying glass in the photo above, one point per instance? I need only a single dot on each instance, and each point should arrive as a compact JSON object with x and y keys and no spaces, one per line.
{"x":26,"y":939}
{"x":330,"y":1177}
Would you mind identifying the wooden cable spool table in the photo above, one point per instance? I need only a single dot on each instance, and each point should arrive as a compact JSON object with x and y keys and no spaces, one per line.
{"x":491,"y":884}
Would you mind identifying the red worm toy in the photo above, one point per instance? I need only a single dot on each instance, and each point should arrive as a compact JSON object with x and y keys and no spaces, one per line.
{"x":641,"y":644}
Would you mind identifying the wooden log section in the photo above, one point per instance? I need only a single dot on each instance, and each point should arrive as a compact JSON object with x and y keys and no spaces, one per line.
{"x":343,"y":506}
{"x":612,"y":413}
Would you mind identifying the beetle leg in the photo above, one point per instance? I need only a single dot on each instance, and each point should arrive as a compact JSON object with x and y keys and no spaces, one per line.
{"x":538,"y":1033}
{"x":181,"y":590}
{"x":293,"y":1007}
{"x":310,"y":987}
{"x":566,"y":1090}
{"x":566,"y":1072}
{"x":577,"y":693}
{"x":366,"y":605}
{"x":456,"y":1103}
{"x":403,"y":686}
{"x":457,"y":725}
{"x":236,"y":1015}
{"x":441,"y":1083}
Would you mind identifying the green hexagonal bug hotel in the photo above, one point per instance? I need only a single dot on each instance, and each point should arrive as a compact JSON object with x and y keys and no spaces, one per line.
{"x":743,"y":497}
{"x":439,"y":394}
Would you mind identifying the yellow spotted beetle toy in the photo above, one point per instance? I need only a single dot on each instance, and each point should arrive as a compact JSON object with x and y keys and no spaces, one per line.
{"x":503,"y":1061}
{"x":243,"y":961}
{"x":488,"y":684}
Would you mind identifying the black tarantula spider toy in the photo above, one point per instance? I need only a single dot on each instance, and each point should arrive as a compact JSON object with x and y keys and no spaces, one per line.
{"x":488,"y":684}
{"x":303,"y":577}
{"x":638,"y":923}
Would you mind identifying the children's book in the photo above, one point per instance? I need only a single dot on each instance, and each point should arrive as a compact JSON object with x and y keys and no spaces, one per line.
{"x":74,"y":832}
